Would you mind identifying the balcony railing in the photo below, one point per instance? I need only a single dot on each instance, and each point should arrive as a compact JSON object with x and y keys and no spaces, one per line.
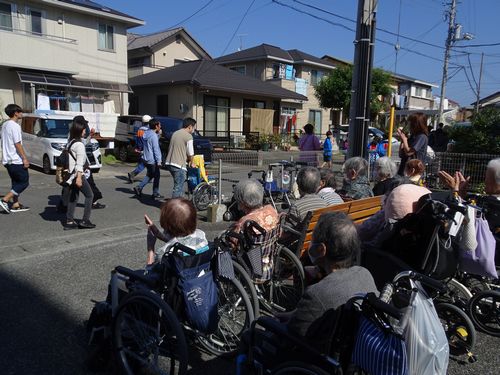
{"x":38,"y":35}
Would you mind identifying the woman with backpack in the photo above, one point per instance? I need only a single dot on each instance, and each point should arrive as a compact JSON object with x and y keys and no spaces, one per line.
{"x":77,"y":181}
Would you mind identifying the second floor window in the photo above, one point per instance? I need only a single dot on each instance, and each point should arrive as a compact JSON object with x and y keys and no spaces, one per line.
{"x":316,"y":76}
{"x":36,"y":21}
{"x":106,"y":33}
{"x":240,"y":69}
{"x":5,"y":16}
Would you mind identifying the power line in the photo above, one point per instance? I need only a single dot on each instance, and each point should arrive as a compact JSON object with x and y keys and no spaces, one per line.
{"x":192,"y":15}
{"x":238,"y":27}
{"x":480,"y":45}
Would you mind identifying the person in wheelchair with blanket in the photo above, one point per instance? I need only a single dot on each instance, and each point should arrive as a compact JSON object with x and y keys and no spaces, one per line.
{"x":333,"y":251}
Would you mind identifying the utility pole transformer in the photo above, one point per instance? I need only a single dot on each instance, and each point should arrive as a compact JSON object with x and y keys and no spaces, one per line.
{"x":359,"y":114}
{"x":449,"y":41}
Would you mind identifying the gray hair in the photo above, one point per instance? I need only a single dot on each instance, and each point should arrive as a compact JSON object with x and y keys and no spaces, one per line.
{"x":357,"y":164}
{"x":494,"y":165}
{"x":386,"y":168}
{"x":338,"y":233}
{"x":308,"y":180}
{"x":249,"y":193}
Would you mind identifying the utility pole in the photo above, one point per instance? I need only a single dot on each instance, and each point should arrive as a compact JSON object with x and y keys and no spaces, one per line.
{"x":449,"y":41}
{"x":479,"y":84}
{"x":359,"y":114}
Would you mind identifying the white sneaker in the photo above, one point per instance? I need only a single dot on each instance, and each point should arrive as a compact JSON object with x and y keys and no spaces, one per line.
{"x":5,"y":206}
{"x":19,"y":208}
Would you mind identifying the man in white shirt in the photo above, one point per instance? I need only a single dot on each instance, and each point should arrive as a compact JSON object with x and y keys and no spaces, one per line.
{"x":14,"y":159}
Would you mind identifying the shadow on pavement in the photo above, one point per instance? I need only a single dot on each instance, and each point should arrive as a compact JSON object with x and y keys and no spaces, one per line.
{"x":35,"y":332}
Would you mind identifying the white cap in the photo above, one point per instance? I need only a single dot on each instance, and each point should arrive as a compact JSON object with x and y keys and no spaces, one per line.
{"x":146,"y":118}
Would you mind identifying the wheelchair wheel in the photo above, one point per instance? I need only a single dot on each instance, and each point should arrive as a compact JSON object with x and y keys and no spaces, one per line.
{"x":242,"y":275}
{"x":458,"y":327}
{"x":287,"y":284}
{"x":298,"y":368}
{"x":203,"y":195}
{"x":147,"y":336}
{"x":235,"y":316}
{"x":484,"y":311}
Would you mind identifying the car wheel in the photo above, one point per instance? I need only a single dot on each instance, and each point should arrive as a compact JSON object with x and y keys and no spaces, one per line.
{"x":46,"y":165}
{"x":123,"y":153}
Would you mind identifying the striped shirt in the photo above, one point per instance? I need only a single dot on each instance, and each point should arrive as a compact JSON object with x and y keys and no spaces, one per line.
{"x":330,"y":196}
{"x":308,"y":202}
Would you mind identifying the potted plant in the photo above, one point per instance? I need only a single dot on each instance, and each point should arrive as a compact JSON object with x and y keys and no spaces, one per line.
{"x":276,"y":140}
{"x":265,"y":141}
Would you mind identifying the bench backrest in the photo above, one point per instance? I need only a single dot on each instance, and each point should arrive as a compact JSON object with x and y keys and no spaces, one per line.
{"x":358,"y":210}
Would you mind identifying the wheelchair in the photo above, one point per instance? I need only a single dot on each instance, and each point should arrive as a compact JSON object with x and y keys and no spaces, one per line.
{"x":145,"y":320}
{"x":270,"y":348}
{"x":421,"y":242}
{"x":270,"y":273}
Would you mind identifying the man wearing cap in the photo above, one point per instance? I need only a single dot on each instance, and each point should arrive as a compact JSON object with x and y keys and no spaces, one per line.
{"x":180,"y":150}
{"x":139,"y":130}
{"x":14,"y":159}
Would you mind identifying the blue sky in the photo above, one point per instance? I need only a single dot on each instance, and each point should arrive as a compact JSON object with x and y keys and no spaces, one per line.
{"x":268,"y":22}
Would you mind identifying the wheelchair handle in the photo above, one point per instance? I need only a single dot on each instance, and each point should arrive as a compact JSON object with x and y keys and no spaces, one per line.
{"x":252,"y":224}
{"x":178,"y":246}
{"x":386,"y":308}
{"x":429,"y":281}
{"x":135,"y":275}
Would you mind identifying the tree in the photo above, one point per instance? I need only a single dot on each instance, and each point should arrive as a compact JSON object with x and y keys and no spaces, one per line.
{"x":334,"y":91}
{"x":482,"y":137}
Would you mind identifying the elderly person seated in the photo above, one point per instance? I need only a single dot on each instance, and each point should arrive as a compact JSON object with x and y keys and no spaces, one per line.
{"x":249,"y":195}
{"x":385,"y":175}
{"x":308,"y":182}
{"x":356,"y":184}
{"x":401,"y":201}
{"x":327,"y":187}
{"x":335,"y":243}
{"x":459,"y":184}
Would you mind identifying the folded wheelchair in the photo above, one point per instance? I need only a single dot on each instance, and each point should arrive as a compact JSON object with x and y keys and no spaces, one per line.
{"x":422,"y":242}
{"x":148,"y":315}
{"x":365,"y":335}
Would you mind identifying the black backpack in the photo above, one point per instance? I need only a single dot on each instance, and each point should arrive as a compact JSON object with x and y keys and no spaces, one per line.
{"x":62,"y":165}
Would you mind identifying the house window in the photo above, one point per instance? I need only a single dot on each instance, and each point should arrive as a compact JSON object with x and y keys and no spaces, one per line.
{"x":216,"y":116}
{"x":315,"y":119}
{"x":106,"y":34}
{"x":316,"y":76}
{"x":36,"y":21}
{"x":418,"y":91}
{"x":240,"y":69}
{"x":5,"y":16}
{"x":162,"y":105}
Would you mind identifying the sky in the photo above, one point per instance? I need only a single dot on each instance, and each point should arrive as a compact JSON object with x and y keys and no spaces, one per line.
{"x":223,"y":26}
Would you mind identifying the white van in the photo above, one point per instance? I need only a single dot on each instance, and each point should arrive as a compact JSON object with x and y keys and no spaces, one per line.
{"x":46,"y":135}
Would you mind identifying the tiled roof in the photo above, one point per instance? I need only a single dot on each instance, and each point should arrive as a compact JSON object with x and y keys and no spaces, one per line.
{"x":209,"y":75}
{"x":135,"y":41}
{"x":96,"y":6}
{"x":269,"y":52}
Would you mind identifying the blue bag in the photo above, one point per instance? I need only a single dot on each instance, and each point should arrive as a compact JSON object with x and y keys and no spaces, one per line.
{"x":378,"y":351}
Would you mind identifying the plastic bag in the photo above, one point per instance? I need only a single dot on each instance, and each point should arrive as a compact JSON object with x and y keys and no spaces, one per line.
{"x":481,"y":261}
{"x":426,"y":342}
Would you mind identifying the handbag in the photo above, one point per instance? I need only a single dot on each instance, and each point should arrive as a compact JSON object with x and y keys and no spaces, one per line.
{"x":481,"y":261}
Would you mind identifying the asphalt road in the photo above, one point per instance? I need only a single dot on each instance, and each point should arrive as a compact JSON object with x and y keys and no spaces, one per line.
{"x":48,"y":277}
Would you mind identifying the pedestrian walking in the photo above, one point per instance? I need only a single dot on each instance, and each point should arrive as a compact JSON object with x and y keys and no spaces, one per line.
{"x":14,"y":159}
{"x":414,"y":147}
{"x":139,"y":146}
{"x":152,"y":160}
{"x":78,"y":164}
{"x":328,"y":150}
{"x":181,"y":150}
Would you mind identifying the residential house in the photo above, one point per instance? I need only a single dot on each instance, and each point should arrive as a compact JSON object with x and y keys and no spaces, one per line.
{"x":492,"y":100}
{"x":64,"y":55}
{"x":216,"y":97}
{"x":148,"y":53}
{"x":293,"y":70}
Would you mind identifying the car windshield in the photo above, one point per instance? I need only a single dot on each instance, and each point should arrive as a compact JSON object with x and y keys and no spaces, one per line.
{"x":377,"y":132}
{"x":56,"y":128}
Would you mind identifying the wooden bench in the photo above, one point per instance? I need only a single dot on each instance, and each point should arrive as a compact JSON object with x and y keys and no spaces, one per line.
{"x":358,"y":210}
